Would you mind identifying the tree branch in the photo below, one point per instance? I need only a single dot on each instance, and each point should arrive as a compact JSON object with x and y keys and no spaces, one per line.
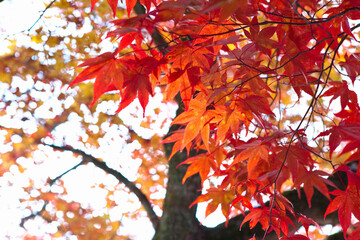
{"x":130,"y":185}
{"x":33,"y":215}
{"x":42,"y":14}
{"x":51,"y":182}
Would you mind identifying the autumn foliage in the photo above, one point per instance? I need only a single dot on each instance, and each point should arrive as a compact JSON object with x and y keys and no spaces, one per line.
{"x":235,"y":65}
{"x":268,"y":92}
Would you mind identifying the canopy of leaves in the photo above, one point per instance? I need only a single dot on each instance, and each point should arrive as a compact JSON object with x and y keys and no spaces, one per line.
{"x":268,"y":98}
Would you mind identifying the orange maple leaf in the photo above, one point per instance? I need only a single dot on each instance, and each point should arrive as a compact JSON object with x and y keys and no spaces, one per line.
{"x":217,"y":197}
{"x":201,"y":164}
{"x":254,"y":152}
{"x":196,"y":120}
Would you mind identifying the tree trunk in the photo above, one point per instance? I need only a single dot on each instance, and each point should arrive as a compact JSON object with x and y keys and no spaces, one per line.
{"x":178,"y":221}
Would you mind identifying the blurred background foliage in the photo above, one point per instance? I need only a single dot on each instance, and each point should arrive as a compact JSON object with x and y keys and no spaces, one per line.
{"x":38,"y":109}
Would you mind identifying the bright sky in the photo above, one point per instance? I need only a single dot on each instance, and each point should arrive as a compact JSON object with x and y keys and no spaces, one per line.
{"x":11,"y":10}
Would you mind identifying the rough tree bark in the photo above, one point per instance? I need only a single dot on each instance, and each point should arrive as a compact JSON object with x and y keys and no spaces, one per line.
{"x":178,"y":220}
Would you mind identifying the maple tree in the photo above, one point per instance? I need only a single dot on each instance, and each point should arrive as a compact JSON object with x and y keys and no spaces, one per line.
{"x":267,"y":128}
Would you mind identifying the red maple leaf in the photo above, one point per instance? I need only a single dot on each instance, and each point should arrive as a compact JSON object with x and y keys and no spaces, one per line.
{"x":262,"y":38}
{"x":343,"y":132}
{"x":351,"y":65}
{"x":278,"y":222}
{"x":306,"y":222}
{"x":107,"y":71}
{"x":340,"y":89}
{"x":310,"y":179}
{"x":138,"y":86}
{"x":346,"y":202}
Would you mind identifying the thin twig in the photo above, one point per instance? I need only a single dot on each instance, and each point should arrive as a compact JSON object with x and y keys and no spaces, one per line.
{"x":50,"y":182}
{"x":130,"y":185}
{"x":42,"y":14}
{"x":33,"y":215}
{"x":37,"y":20}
